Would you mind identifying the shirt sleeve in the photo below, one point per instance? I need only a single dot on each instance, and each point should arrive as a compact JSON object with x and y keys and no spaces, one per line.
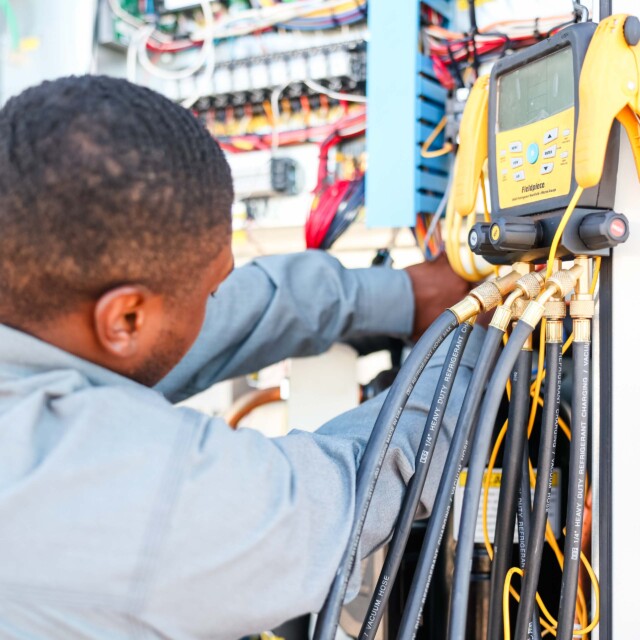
{"x":259,"y":526}
{"x":289,"y":306}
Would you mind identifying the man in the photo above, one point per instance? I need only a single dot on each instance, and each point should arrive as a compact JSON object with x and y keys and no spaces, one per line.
{"x":121,"y":515}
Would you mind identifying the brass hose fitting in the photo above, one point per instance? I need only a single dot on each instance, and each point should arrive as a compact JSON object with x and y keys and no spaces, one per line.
{"x":530,"y":284}
{"x":561,"y":283}
{"x":485,"y":297}
{"x":502,"y":317}
{"x":554,"y":331}
{"x":555,"y":309}
{"x":466,"y":308}
{"x":527,"y":286}
{"x":558,"y":285}
{"x":582,"y":306}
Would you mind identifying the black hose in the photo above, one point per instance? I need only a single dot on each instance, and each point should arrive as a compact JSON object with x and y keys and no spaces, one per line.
{"x":372,"y":459}
{"x":575,"y":496}
{"x":546,"y":459}
{"x":456,"y":458}
{"x":479,"y":454}
{"x":523,"y":515}
{"x":402,"y":529}
{"x":509,"y":488}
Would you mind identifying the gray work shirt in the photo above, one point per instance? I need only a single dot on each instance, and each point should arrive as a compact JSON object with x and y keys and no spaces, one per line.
{"x":122,"y":516}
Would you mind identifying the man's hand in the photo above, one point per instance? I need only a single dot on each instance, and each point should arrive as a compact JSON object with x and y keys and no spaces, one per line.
{"x":435,"y":288}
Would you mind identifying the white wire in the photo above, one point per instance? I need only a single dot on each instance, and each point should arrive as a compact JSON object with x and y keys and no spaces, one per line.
{"x":206,"y":56}
{"x":349,"y":97}
{"x":275,"y":111}
{"x":132,"y":52}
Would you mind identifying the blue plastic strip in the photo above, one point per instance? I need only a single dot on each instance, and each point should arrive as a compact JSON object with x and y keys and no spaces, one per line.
{"x":404,"y":103}
{"x":392,"y":113}
{"x":429,"y":112}
{"x":428,"y":204}
{"x":428,"y":181}
{"x":431,"y":90}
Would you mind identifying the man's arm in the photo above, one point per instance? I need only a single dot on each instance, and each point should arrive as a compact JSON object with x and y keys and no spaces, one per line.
{"x":260,"y":525}
{"x":290,"y":306}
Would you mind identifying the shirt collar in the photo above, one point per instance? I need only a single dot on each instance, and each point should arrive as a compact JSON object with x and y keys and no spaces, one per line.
{"x":22,"y":354}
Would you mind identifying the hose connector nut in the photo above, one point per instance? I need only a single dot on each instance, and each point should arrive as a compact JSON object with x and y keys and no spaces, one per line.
{"x":554,"y":332}
{"x":582,"y":308}
{"x":582,"y":330}
{"x":530,"y":284}
{"x":487,"y":294}
{"x":501,"y":318}
{"x":555,"y":309}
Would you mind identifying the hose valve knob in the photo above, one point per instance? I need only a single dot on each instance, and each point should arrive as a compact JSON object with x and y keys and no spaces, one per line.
{"x":514,"y":235}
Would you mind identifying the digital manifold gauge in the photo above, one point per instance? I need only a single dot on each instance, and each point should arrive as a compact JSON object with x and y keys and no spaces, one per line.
{"x":533,"y":116}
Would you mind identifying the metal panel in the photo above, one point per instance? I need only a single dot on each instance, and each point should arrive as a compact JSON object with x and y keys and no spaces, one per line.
{"x":405,"y":103}
{"x":392,"y":113}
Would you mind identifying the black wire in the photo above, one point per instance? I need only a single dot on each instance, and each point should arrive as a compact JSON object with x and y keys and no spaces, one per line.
{"x":380,"y":597}
{"x":546,"y":458}
{"x":372,"y":459}
{"x":479,"y":454}
{"x":456,"y":458}
{"x":509,"y":486}
{"x":455,"y":65}
{"x":474,"y":30}
{"x":576,"y":493}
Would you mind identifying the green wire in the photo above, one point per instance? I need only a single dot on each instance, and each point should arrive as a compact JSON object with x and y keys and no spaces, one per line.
{"x":12,"y":23}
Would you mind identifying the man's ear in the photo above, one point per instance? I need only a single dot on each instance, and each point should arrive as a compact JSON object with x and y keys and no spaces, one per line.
{"x":120,"y":315}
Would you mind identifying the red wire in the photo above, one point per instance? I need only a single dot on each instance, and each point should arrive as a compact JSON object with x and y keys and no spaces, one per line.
{"x":327,"y":196}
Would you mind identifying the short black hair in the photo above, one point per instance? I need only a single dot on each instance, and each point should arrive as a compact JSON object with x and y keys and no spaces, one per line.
{"x":102,"y":183}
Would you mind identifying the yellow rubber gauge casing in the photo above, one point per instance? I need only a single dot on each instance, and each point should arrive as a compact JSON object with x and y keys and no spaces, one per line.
{"x":533,"y":115}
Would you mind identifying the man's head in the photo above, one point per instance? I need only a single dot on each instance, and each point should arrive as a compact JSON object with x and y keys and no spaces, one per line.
{"x":114,"y":222}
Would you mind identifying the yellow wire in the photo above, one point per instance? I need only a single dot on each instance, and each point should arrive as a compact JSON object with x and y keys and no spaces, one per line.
{"x":579,"y":632}
{"x":447,"y":147}
{"x":559,"y":231}
{"x":505,"y":605}
{"x":596,"y":593}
